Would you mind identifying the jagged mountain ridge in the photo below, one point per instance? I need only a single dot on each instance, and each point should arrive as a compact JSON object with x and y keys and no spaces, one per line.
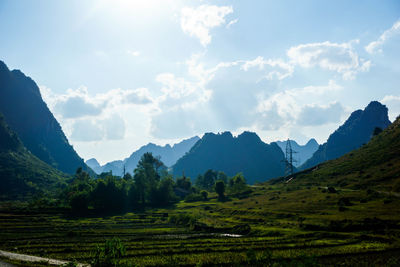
{"x":356,"y":131}
{"x":28,"y":115}
{"x":168,"y":155}
{"x":245,"y":153}
{"x":302,"y":152}
{"x":375,"y":165}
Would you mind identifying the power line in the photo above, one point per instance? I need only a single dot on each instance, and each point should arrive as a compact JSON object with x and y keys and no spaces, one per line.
{"x":289,"y":160}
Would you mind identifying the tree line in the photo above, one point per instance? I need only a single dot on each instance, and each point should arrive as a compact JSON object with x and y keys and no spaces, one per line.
{"x":150,"y":186}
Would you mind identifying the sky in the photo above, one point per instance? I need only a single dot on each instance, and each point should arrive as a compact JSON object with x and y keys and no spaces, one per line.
{"x":118,"y":74}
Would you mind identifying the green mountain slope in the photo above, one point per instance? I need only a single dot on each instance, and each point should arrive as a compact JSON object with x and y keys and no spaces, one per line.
{"x":376,"y":165}
{"x":341,"y":208}
{"x":21,"y":173}
{"x":28,"y":115}
{"x":356,"y":131}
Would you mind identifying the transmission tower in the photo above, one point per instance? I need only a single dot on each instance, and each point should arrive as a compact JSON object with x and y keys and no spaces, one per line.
{"x":289,"y":160}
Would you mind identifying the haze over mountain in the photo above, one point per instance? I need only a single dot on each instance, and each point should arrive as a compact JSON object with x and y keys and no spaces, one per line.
{"x":356,"y":131}
{"x":302,"y":153}
{"x":245,"y":153}
{"x":168,"y":155}
{"x":21,"y":173}
{"x":27,"y":115}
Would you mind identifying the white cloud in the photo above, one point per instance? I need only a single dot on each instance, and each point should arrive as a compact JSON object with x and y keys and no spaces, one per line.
{"x":85,"y":130}
{"x":393,"y":104}
{"x":198,"y":21}
{"x":139,"y":96}
{"x":375,"y":46}
{"x":339,"y":57}
{"x":287,"y":108}
{"x":181,"y":91}
{"x":79,"y":103}
{"x":97,"y":129}
{"x":283,"y":71}
{"x":133,"y":53}
{"x":320,"y":114}
{"x":114,"y":127}
{"x":231,"y":23}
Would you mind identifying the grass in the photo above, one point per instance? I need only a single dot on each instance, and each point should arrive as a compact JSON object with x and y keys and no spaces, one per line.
{"x":342,"y":212}
{"x":292,"y":225}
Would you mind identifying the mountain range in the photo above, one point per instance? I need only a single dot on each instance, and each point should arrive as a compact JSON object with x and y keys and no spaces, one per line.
{"x":301,"y":153}
{"x":168,"y":155}
{"x":28,"y":115}
{"x":356,"y":131}
{"x":245,"y":153}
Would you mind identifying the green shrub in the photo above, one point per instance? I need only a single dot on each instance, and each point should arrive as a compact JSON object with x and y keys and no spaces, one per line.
{"x":194,"y":197}
{"x":110,"y":254}
{"x":204,"y":194}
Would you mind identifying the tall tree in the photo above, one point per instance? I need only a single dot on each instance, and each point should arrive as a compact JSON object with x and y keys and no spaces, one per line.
{"x":220,"y":189}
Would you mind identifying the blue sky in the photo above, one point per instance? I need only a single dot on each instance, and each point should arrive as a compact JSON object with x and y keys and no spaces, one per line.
{"x":118,"y":74}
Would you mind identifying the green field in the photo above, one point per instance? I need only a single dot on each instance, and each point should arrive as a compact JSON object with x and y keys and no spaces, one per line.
{"x":342,"y":212}
{"x":275,"y":224}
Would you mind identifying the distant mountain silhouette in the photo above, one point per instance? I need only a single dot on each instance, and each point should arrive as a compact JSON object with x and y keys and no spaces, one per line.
{"x":303,"y":153}
{"x":223,"y":152}
{"x":168,"y":154}
{"x":21,"y":173}
{"x":28,"y":115}
{"x":94,"y":165}
{"x":355,"y":132}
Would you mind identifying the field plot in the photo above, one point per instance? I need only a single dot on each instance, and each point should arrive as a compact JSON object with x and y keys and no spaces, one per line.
{"x":270,"y":226}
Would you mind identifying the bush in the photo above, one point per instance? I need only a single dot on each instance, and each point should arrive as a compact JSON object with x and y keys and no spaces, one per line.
{"x":193,"y":198}
{"x":110,"y":254}
{"x":183,"y":219}
{"x":331,"y":189}
{"x":204,"y":194}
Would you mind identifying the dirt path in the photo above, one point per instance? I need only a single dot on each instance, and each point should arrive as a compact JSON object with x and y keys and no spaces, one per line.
{"x":390,"y":193}
{"x":28,"y":258}
{"x":5,"y":264}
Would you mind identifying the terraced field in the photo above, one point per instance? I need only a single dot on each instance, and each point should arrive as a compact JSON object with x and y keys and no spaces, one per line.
{"x":273,"y":225}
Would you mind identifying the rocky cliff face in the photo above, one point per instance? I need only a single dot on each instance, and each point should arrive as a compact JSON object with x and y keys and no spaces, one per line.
{"x":223,"y":152}
{"x":356,"y":131}
{"x":28,"y":115}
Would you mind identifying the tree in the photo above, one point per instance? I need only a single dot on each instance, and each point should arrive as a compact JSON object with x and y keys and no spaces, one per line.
{"x":237,"y":183}
{"x":165,"y":192}
{"x":109,"y":194}
{"x":78,"y":191}
{"x":147,"y":176}
{"x":184,"y":183}
{"x":220,"y":189}
{"x":377,"y":130}
{"x":223,"y":177}
{"x":127,"y":177}
{"x":210,"y":177}
{"x":79,"y":202}
{"x":204,"y":194}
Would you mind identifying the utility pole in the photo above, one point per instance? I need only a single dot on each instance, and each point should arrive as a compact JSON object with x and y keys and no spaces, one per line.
{"x":289,"y":159}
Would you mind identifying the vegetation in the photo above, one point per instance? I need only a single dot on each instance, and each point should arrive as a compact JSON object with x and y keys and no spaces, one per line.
{"x":338,"y":213}
{"x":22,"y":175}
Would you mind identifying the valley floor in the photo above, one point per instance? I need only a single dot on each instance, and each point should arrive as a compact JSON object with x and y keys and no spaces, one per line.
{"x":272,"y":225}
